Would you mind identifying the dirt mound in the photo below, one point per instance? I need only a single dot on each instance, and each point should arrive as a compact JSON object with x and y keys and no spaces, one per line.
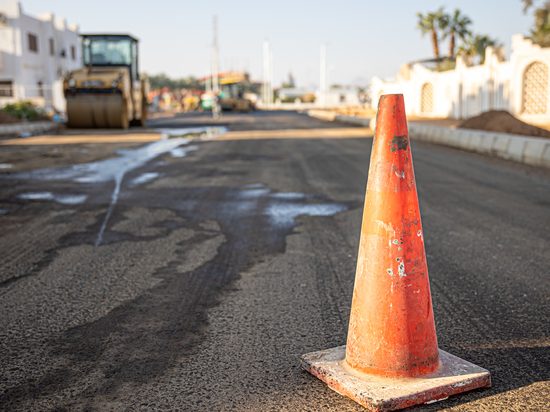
{"x":502,"y":122}
{"x":6,"y":118}
{"x":41,"y":118}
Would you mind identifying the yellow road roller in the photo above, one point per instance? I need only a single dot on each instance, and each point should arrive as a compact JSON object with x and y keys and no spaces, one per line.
{"x":234,"y":87}
{"x":107,"y":92}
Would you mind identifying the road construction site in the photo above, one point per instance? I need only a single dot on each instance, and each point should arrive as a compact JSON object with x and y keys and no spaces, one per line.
{"x":190,"y":264}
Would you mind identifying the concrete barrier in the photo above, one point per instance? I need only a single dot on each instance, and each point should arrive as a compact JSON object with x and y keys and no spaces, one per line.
{"x":333,"y":116}
{"x":322,"y":114}
{"x":357,"y":121}
{"x":533,"y":151}
{"x":31,"y":127}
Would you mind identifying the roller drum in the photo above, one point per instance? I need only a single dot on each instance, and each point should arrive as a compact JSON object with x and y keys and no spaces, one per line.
{"x":97,"y":112}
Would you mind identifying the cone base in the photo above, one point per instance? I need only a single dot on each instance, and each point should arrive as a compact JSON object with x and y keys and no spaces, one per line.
{"x":376,"y":393}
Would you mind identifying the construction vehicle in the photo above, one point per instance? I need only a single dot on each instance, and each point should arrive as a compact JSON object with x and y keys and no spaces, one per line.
{"x":107,"y":92}
{"x":234,"y":92}
{"x":233,"y":87}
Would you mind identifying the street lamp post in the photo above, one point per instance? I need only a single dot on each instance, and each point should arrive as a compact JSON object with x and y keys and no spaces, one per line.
{"x":268,"y":77}
{"x":323,"y":76}
{"x":215,"y":106}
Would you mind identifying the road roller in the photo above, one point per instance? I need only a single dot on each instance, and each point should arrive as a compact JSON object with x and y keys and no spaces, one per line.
{"x":107,"y":92}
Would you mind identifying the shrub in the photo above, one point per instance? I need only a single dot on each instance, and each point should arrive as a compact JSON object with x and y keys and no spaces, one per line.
{"x":21,"y":110}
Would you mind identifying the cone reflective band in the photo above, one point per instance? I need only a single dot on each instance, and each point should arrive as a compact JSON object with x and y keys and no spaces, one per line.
{"x":391,"y":360}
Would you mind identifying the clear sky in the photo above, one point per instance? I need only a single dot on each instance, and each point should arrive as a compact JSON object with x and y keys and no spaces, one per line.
{"x":365,"y":38}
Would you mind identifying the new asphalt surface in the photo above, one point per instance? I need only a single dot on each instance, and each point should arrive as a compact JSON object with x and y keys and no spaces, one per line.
{"x":191,"y":276}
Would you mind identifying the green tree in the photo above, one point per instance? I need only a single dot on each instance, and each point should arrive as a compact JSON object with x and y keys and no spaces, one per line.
{"x":159,"y":81}
{"x":540,"y":32}
{"x":475,"y":45}
{"x":430,"y":23}
{"x":453,"y":25}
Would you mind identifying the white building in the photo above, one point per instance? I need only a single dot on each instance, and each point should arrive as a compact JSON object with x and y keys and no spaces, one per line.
{"x":34,"y":55}
{"x":338,"y":97}
{"x":519,"y":85}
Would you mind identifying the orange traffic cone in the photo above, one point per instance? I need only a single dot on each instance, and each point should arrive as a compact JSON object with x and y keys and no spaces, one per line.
{"x":392,"y":360}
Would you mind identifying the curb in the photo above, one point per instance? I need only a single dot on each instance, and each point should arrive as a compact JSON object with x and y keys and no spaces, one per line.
{"x":534,"y":151}
{"x":33,"y":127}
{"x":332,"y":116}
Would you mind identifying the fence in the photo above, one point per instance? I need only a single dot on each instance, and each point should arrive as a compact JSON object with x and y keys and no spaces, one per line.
{"x":41,"y":95}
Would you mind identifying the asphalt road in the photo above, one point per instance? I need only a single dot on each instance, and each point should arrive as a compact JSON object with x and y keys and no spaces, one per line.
{"x":193,"y":276}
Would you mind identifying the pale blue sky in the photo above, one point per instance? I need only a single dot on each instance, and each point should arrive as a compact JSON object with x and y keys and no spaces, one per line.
{"x":365,"y":38}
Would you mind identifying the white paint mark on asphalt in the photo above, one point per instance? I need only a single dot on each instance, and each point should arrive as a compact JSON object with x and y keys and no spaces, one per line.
{"x":144,"y":178}
{"x":253,"y":193}
{"x":289,"y":195}
{"x":112,"y":169}
{"x":114,"y":198}
{"x":282,"y":208}
{"x":283,"y":214}
{"x":5,"y":166}
{"x":36,"y":196}
{"x":194,"y":133}
{"x":107,"y":170}
{"x":182,"y":151}
{"x":63,"y":199}
{"x":70,"y":199}
{"x":253,"y":186}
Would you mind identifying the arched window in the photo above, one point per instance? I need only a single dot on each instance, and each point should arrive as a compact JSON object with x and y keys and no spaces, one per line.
{"x":427,"y":98}
{"x":535,"y":89}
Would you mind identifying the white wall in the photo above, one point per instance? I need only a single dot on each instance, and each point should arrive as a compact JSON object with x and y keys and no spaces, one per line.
{"x":469,"y":90}
{"x":26,"y":68}
{"x":337,"y":98}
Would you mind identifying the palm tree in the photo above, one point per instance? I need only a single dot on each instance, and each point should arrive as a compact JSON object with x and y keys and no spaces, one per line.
{"x":429,"y":24}
{"x":482,"y":42}
{"x":541,"y":36}
{"x":455,"y":24}
{"x":475,"y":46}
{"x":467,"y":48}
{"x":540,"y":33}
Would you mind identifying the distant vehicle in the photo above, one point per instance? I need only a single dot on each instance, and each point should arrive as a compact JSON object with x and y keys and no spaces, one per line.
{"x":234,"y":88}
{"x":207,"y":100}
{"x":108,"y":91}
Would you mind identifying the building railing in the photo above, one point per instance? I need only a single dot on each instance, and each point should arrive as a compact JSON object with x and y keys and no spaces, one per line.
{"x":41,"y":95}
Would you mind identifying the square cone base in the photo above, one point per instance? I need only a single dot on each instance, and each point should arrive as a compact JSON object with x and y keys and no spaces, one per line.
{"x":376,"y":393}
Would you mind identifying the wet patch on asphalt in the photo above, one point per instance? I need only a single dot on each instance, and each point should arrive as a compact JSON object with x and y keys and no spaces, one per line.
{"x":220,"y":231}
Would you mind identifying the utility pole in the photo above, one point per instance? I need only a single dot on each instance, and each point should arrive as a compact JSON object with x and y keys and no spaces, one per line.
{"x":327,"y":100}
{"x":266,"y":65}
{"x":268,"y":76}
{"x":271,"y":79}
{"x":208,"y":82}
{"x":323,"y":76}
{"x":215,"y":106}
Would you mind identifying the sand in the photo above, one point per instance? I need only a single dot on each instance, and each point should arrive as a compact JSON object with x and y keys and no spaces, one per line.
{"x":503,"y":122}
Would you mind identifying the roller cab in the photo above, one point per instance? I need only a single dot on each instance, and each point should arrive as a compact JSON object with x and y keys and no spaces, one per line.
{"x":107,"y":92}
